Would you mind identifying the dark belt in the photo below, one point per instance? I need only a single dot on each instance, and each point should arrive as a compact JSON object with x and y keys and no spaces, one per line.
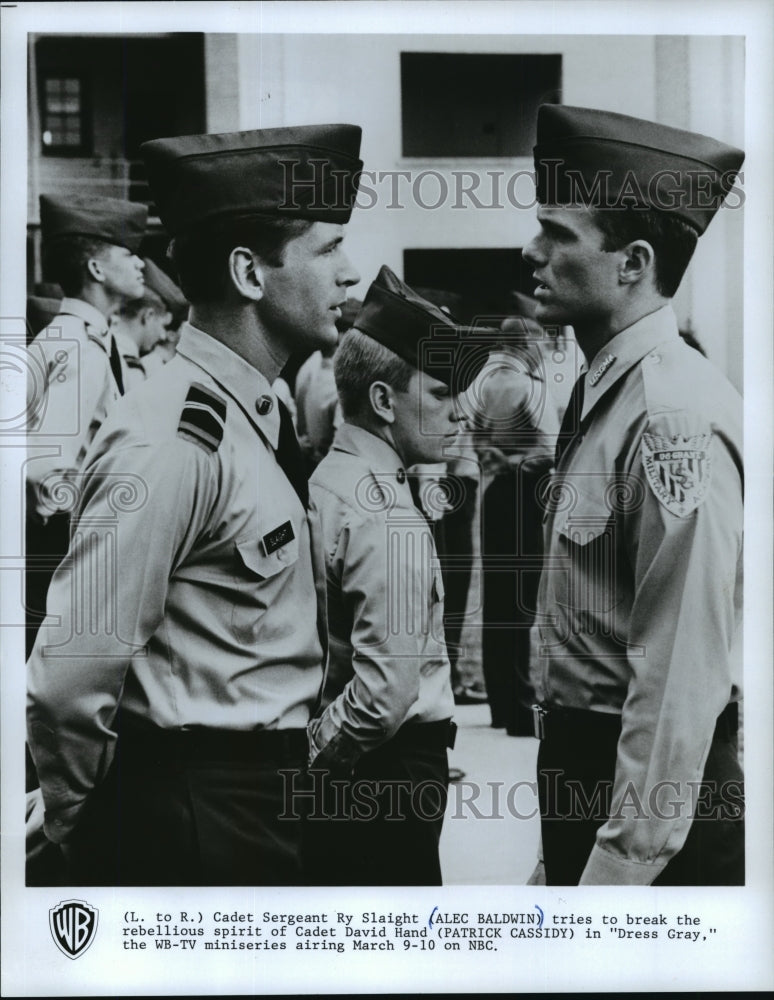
{"x":141,"y":741}
{"x":431,"y":734}
{"x":551,"y":719}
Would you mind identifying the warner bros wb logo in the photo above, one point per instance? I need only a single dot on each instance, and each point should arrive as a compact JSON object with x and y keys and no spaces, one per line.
{"x":73,"y":926}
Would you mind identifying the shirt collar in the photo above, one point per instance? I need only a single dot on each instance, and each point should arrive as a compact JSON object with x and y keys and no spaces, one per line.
{"x":236,"y":377}
{"x":90,"y":315}
{"x":126,"y":345}
{"x":384,"y":463}
{"x":625,"y":350}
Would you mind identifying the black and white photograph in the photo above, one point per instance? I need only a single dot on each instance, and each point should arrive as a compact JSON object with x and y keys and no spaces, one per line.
{"x":380,"y":571}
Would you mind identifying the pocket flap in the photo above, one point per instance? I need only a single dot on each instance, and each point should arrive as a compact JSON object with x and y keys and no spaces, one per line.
{"x":264,"y":565}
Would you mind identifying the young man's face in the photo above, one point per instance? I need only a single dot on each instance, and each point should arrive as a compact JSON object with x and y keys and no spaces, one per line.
{"x":577,"y":281}
{"x":122,"y":272}
{"x":154,"y":328}
{"x":303,"y":298}
{"x":426,"y":420}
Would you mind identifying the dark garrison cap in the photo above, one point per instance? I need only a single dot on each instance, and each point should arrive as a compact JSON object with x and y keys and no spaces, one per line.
{"x":421,"y":333}
{"x":606,"y":160}
{"x":307,"y":172}
{"x":108,"y":219}
{"x":160,"y":283}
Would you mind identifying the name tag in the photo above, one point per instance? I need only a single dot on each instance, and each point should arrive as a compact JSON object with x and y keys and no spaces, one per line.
{"x":277,"y":537}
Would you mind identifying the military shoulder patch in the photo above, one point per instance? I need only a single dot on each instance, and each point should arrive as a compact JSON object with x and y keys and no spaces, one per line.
{"x":678,"y":470}
{"x":203,"y":418}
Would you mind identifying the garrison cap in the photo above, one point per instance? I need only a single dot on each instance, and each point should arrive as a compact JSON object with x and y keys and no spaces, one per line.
{"x":606,"y":160}
{"x":111,"y":220}
{"x":160,"y":283}
{"x":307,"y":172}
{"x":349,"y":311}
{"x":421,"y":333}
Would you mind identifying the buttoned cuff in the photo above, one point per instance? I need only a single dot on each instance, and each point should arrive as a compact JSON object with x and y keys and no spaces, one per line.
{"x":604,"y":868}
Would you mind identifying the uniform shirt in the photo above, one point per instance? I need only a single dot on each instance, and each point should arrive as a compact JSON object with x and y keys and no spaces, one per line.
{"x":189,"y":590}
{"x":317,"y":402}
{"x":70,"y":390}
{"x":640,"y":597}
{"x":388,"y":662}
{"x":135,"y":372}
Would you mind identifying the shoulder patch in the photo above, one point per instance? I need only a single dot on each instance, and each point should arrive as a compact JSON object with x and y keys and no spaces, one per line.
{"x":203,"y":418}
{"x":678,"y":469}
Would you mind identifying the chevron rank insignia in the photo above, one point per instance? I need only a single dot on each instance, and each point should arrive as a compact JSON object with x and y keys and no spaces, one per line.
{"x":203,"y":418}
{"x":678,"y":470}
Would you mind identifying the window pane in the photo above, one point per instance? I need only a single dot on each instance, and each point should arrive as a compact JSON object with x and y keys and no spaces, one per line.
{"x":61,"y":113}
{"x":462,"y":104}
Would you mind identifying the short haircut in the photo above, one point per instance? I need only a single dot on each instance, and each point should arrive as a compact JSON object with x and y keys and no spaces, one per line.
{"x":360,"y":361}
{"x":201,"y":256}
{"x":149,"y":300}
{"x":672,"y":239}
{"x":65,"y":259}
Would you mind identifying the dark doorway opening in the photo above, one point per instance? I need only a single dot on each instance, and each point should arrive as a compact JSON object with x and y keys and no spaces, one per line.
{"x":484,"y":279}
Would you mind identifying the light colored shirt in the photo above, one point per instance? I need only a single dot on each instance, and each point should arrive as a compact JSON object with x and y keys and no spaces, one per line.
{"x":70,"y":390}
{"x":191,"y":594}
{"x":640,"y":598}
{"x":388,"y":663}
{"x":317,"y":403}
{"x":135,"y":371}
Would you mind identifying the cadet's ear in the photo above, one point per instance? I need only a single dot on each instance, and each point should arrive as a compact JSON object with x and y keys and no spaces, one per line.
{"x":382,"y":401}
{"x":638,"y":260}
{"x":94,"y":268}
{"x":245,"y":273}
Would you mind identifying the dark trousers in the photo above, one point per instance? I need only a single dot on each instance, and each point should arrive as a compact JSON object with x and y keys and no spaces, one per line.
{"x":454,"y":543}
{"x":576,"y":769}
{"x":45,"y":547}
{"x":383,"y":825}
{"x":206,"y":808}
{"x":512,"y":555}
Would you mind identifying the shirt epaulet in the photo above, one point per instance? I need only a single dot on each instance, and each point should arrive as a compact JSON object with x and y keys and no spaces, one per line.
{"x":203,"y":418}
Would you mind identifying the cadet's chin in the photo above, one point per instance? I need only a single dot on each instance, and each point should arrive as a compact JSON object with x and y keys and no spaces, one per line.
{"x":433,"y":453}
{"x":327,"y":336}
{"x":544,"y":314}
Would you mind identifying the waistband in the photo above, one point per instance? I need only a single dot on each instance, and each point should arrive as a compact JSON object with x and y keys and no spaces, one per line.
{"x":557,"y":720}
{"x":141,"y":741}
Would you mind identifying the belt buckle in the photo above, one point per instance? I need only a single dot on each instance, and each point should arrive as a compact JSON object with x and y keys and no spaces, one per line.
{"x":539,"y":721}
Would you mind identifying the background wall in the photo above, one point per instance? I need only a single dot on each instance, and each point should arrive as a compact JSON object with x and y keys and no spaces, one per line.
{"x":249,"y":81}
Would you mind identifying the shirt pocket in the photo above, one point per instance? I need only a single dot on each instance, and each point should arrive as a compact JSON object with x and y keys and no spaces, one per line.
{"x":259,"y":578}
{"x":590,"y":544}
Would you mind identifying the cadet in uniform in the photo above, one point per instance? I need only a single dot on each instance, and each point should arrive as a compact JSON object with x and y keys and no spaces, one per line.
{"x":515,"y":426}
{"x":75,"y":373}
{"x":140,"y":326}
{"x":637,"y":663}
{"x":384,"y":721}
{"x":189,"y":654}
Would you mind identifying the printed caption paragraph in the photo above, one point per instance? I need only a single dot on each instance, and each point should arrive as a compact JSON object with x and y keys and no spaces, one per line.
{"x":438,"y":930}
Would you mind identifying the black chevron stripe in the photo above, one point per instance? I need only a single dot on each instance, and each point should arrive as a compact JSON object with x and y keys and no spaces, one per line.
{"x":203,"y":417}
